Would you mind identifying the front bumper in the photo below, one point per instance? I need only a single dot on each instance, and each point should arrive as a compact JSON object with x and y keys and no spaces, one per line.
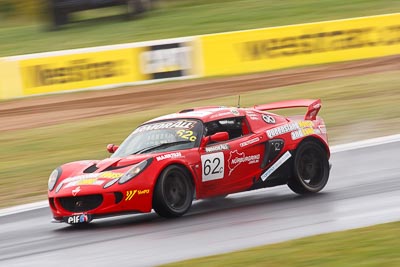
{"x":100,"y":205}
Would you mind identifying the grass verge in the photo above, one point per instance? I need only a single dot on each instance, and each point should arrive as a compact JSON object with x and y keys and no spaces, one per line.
{"x":368,"y":247}
{"x":175,"y":18}
{"x":353,"y":108}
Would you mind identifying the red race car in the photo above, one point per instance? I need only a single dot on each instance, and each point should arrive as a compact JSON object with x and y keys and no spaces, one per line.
{"x":195,"y":154}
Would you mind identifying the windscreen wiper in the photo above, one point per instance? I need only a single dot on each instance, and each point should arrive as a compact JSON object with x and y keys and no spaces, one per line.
{"x":164,"y":145}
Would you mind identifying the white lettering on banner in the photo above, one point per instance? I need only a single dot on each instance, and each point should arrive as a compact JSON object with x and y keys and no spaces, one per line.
{"x":164,"y":60}
{"x":301,"y":133}
{"x":166,"y":125}
{"x":252,"y":115}
{"x":276,"y":165}
{"x":249,"y":142}
{"x":213,"y":166}
{"x":236,"y":158}
{"x":304,"y":126}
{"x":282,"y":129}
{"x":217,"y":148}
{"x":78,"y":219}
{"x":170,"y":156}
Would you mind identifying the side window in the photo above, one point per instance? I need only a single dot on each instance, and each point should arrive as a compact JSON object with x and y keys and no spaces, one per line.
{"x":235,"y":127}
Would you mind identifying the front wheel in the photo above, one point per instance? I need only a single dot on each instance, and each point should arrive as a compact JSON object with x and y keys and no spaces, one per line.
{"x":311,"y":169}
{"x":173,"y":192}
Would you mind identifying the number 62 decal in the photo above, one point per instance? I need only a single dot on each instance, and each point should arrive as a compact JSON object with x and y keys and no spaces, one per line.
{"x":212,"y":166}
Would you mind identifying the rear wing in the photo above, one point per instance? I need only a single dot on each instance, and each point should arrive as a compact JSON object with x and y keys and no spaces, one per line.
{"x":313,"y":106}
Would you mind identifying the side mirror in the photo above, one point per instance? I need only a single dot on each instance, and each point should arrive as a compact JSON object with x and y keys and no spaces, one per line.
{"x":112,"y":148}
{"x":219,"y":137}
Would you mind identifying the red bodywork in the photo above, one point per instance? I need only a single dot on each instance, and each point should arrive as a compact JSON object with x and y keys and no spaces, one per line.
{"x":216,"y":168}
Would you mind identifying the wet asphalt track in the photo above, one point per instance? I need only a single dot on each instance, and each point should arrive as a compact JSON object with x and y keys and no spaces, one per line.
{"x":364,"y":189}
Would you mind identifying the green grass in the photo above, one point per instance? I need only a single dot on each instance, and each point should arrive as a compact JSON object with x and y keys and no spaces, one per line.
{"x":181,"y":18}
{"x":353,"y":108}
{"x":367,"y":247}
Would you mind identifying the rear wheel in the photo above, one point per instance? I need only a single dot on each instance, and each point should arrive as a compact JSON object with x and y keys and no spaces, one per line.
{"x":311,"y":169}
{"x":173,"y":193}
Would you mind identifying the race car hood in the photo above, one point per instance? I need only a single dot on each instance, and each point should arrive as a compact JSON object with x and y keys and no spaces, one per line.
{"x":94,"y":174}
{"x":116,"y":163}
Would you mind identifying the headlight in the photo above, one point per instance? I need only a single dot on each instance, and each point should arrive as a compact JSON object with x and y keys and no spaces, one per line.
{"x":110,"y":183}
{"x":134,"y":171}
{"x":53,"y":178}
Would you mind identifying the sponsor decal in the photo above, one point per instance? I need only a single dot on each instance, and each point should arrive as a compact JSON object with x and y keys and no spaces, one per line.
{"x":268,"y":119}
{"x":167,"y":61}
{"x":88,"y":182}
{"x":110,"y":175}
{"x":287,"y":128}
{"x":236,"y":158}
{"x":276,"y":165}
{"x":213,"y":166}
{"x":89,"y":179}
{"x":81,"y":177}
{"x":131,"y":193}
{"x":217,"y":148}
{"x":187,"y":134}
{"x":249,"y":142}
{"x":183,"y":124}
{"x":235,"y":112}
{"x":306,"y":124}
{"x":78,"y":219}
{"x":174,"y":155}
{"x":278,"y":145}
{"x":320,"y":42}
{"x":301,"y":133}
{"x":306,"y":128}
{"x":72,"y":71}
{"x":76,"y":191}
{"x":282,"y":129}
{"x":253,"y":116}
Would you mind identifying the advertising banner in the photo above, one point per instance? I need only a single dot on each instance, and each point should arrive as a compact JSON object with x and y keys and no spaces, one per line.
{"x":77,"y":71}
{"x":207,"y":55}
{"x":107,"y":67}
{"x":172,"y":59}
{"x":297,"y":45}
{"x":10,"y":81}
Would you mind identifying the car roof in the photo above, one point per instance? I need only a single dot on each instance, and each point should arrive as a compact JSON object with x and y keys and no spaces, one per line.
{"x":204,"y":114}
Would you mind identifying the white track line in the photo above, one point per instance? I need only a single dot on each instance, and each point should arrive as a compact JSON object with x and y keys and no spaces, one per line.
{"x":334,"y":149}
{"x":366,"y":143}
{"x":24,"y":208}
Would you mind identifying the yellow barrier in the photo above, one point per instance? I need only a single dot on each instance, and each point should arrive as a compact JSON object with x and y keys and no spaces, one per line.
{"x":84,"y":70}
{"x":208,"y":55}
{"x":10,"y":82}
{"x":98,"y":67}
{"x":297,"y":45}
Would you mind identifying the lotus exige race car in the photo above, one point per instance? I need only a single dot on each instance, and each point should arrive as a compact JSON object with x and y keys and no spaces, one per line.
{"x":195,"y":154}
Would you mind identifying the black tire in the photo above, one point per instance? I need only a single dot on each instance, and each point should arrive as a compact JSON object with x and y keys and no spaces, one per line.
{"x":310,"y":169}
{"x":60,"y":18}
{"x":173,"y":193}
{"x":135,"y":7}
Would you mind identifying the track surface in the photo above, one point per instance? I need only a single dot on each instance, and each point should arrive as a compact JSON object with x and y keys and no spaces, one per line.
{"x":47,"y":110}
{"x":364,"y":189}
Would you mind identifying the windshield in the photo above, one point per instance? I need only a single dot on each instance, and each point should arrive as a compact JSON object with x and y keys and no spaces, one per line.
{"x":161,"y":136}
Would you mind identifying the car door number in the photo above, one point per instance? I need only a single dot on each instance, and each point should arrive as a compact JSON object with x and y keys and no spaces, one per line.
{"x":213,"y":166}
